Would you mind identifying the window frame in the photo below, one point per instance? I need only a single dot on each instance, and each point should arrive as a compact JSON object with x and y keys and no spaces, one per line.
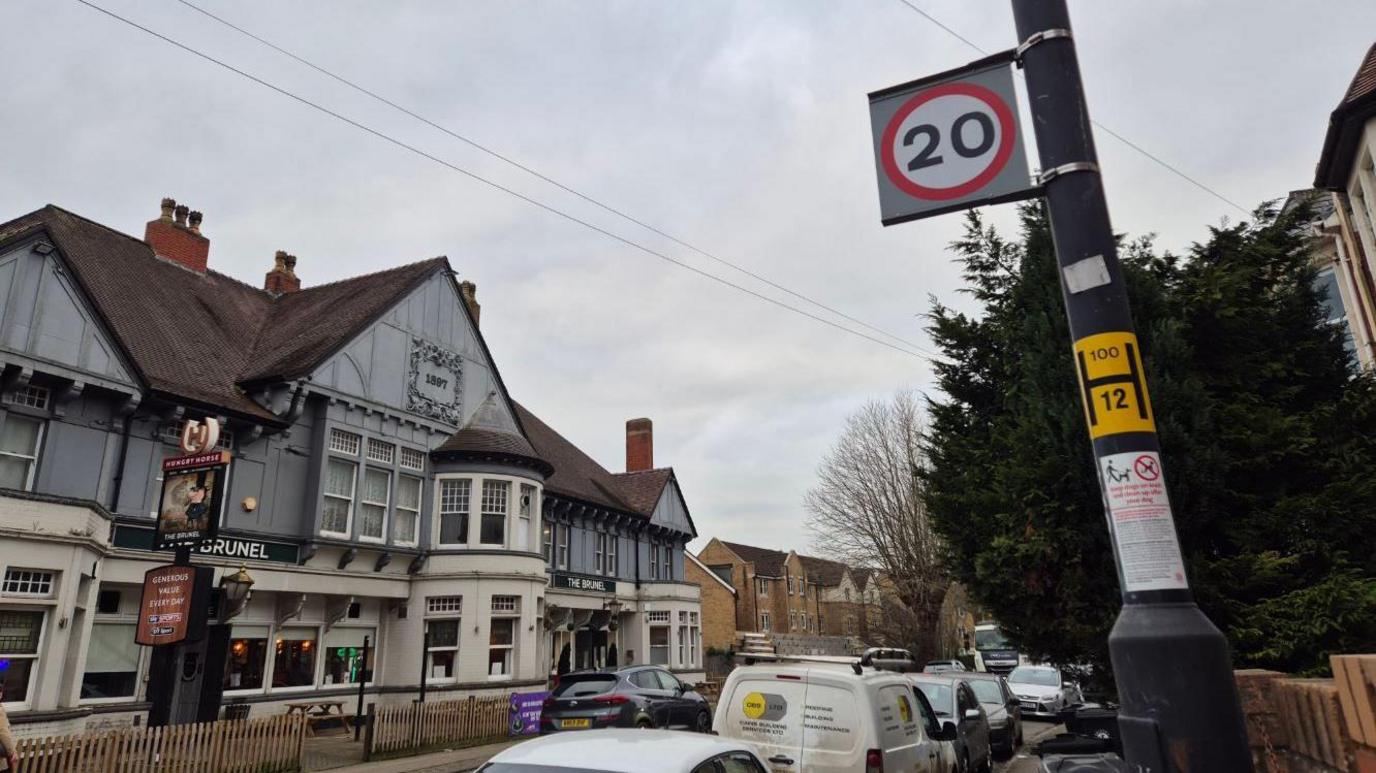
{"x":402,"y":479}
{"x":443,"y":616}
{"x":42,"y":435}
{"x":440,"y":512}
{"x":512,"y":616}
{"x":563,"y":536}
{"x":386,"y":504}
{"x":503,"y":484}
{"x":352,"y":499}
{"x":36,"y":657}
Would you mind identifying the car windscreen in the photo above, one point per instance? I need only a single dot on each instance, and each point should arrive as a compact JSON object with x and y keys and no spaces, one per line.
{"x":939,"y":695}
{"x":991,"y":639}
{"x":986,"y":690}
{"x":1044,"y":677}
{"x":579,"y":686}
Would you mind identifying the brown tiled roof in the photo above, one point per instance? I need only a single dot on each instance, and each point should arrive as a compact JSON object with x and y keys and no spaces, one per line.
{"x":1345,"y":126}
{"x":1364,"y":82}
{"x":199,"y":336}
{"x":641,"y":490}
{"x":769,"y":563}
{"x":293,"y":340}
{"x":576,"y":475}
{"x":823,"y":571}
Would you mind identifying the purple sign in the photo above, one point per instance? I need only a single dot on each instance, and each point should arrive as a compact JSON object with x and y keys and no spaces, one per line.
{"x":525,"y":712}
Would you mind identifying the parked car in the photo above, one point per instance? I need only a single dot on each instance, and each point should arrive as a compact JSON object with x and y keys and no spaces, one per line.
{"x":958,"y":709}
{"x":858,"y":718}
{"x":1002,"y":707}
{"x":633,"y":696}
{"x":627,"y":751}
{"x":942,"y":666}
{"x":1043,"y":690}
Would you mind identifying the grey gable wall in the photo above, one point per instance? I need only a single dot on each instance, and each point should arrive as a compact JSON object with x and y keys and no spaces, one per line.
{"x":671,"y":512}
{"x":43,"y":316}
{"x":375,"y":366}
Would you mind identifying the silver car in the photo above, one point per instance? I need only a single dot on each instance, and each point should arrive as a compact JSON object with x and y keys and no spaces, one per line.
{"x":959,"y":712}
{"x":1043,"y":690}
{"x":1003,"y":709}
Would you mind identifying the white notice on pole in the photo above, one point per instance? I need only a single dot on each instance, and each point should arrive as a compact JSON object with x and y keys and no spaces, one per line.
{"x":1143,"y":528}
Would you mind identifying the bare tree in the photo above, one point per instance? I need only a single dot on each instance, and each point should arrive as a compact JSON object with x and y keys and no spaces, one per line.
{"x":867,"y":510}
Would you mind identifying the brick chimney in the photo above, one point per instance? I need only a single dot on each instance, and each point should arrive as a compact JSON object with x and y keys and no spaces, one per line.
{"x":176,"y":236}
{"x":469,"y":291}
{"x":640,"y":445}
{"x":282,"y":278}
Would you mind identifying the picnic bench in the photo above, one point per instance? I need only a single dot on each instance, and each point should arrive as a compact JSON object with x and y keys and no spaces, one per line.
{"x":318,"y":711}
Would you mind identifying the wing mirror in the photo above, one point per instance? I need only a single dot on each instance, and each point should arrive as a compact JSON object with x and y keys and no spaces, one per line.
{"x":972,"y":714}
{"x":947,"y":732}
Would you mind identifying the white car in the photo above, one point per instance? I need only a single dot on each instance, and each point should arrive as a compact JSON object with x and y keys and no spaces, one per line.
{"x":627,"y":750}
{"x":1043,"y":690}
{"x":818,"y":715}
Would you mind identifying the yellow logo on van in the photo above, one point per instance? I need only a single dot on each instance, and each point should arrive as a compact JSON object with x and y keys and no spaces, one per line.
{"x":905,"y":711}
{"x":753,"y":706}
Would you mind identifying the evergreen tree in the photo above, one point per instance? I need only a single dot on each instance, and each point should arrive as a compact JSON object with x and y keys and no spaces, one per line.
{"x":1268,"y":437}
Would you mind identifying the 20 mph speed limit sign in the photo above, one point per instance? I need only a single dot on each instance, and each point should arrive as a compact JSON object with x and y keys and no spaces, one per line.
{"x":949,"y":141}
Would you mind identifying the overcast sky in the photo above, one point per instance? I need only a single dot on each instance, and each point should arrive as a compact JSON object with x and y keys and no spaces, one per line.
{"x":741,"y":128}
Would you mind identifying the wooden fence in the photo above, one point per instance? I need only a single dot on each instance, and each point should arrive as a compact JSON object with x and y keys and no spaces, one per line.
{"x":239,"y":746}
{"x":395,"y":728}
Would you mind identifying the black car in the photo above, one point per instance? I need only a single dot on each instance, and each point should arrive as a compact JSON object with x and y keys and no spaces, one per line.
{"x":1002,"y":708}
{"x":957,"y":708}
{"x":634,"y":696}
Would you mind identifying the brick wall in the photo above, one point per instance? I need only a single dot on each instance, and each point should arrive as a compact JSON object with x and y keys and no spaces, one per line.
{"x":1299,"y":725}
{"x":718,"y":608}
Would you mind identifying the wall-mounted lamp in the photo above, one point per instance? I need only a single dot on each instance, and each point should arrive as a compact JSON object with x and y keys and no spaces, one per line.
{"x":234,"y":592}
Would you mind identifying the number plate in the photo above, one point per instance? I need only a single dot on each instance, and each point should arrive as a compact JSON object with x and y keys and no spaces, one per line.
{"x":1029,"y":706}
{"x":575,"y":724}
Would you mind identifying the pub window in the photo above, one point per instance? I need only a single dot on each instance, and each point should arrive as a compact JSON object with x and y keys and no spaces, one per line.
{"x":247,"y":658}
{"x":694,"y":638}
{"x":412,"y":459}
{"x":494,"y":504}
{"x":372,"y":510}
{"x":666,"y":564}
{"x":654,"y":561}
{"x":339,"y":497}
{"x":438,"y":605}
{"x":547,"y":537}
{"x":107,"y":602}
{"x":112,"y":661}
{"x":565,"y":534}
{"x":19,"y":638}
{"x":294,"y":664}
{"x":31,"y":583}
{"x":501,"y":644}
{"x":525,"y":508}
{"x":683,"y":638}
{"x":381,"y":452}
{"x":345,"y":442}
{"x":600,"y":553}
{"x":344,"y":662}
{"x":20,"y":437}
{"x":454,"y":495}
{"x":30,"y":396}
{"x":611,"y":555}
{"x":408,"y":511}
{"x":443,"y":654}
{"x":659,"y":645}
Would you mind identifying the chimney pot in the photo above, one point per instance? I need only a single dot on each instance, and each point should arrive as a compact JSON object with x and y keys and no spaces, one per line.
{"x":640,"y":445}
{"x":171,"y":238}
{"x":469,"y":291}
{"x":282,"y":278}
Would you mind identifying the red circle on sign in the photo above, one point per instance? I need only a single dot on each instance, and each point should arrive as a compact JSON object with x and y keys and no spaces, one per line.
{"x":1147,"y":468}
{"x":1007,"y":129}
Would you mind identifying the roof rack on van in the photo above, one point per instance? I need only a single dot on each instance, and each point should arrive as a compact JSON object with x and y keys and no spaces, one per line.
{"x":878,"y":658}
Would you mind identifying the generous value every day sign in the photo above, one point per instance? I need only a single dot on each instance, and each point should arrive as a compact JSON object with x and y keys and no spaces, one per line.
{"x":173,"y":605}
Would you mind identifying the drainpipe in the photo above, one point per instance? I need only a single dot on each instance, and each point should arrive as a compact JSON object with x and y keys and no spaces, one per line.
{"x":118,"y":482}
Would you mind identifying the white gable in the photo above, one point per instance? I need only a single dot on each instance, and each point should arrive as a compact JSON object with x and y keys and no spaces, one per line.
{"x":422,"y":357}
{"x":43,"y":316}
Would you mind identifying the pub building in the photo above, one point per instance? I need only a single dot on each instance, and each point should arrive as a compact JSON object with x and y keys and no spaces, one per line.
{"x":382,"y":485}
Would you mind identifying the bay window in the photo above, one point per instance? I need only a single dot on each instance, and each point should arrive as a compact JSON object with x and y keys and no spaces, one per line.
{"x":19,"y":440}
{"x":372,"y":510}
{"x":112,"y":661}
{"x":525,"y":509}
{"x":494,"y":512}
{"x":404,"y":528}
{"x":454,"y":496}
{"x":339,"y":497}
{"x":20,"y":633}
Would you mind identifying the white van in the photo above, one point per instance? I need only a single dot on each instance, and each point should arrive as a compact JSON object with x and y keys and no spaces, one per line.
{"x":810,"y":716}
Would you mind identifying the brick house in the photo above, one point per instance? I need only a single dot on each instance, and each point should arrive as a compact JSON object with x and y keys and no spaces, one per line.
{"x":718,"y":605}
{"x":773,"y":591}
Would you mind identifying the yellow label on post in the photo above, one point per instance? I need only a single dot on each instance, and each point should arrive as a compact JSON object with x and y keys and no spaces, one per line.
{"x":1112,"y":384}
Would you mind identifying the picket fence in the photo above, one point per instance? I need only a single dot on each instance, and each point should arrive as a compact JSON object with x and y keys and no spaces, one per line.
{"x":395,"y":728}
{"x":238,"y":746}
